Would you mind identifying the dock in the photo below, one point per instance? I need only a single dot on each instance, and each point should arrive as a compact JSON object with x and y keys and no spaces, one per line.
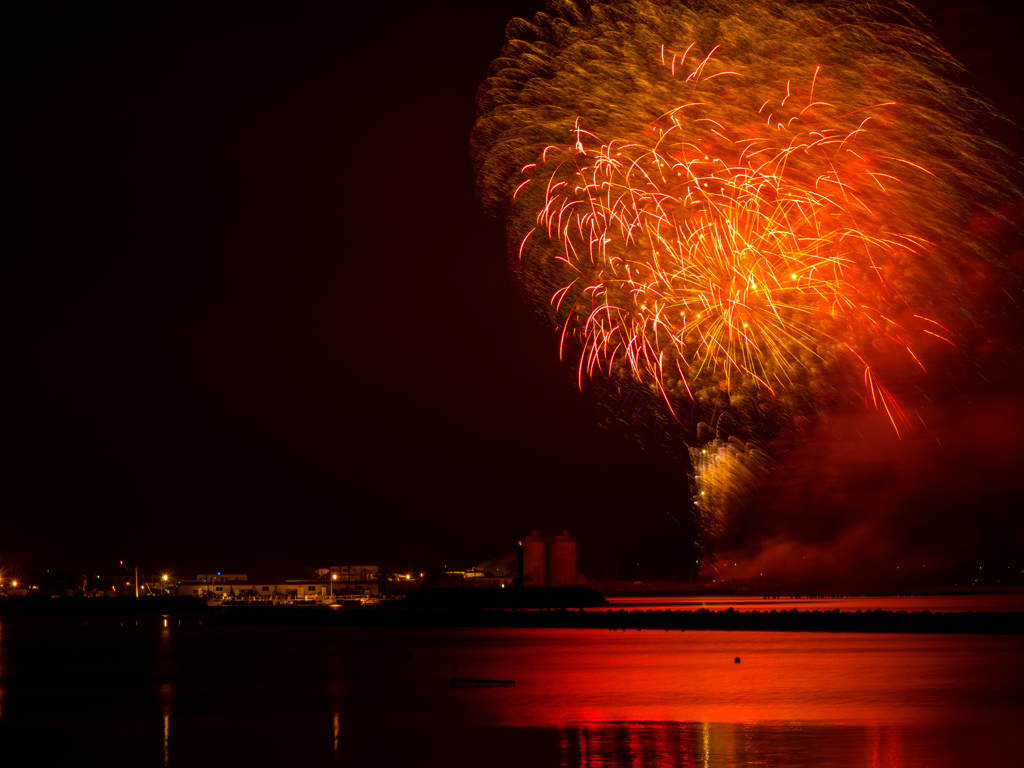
{"x":474,"y":682}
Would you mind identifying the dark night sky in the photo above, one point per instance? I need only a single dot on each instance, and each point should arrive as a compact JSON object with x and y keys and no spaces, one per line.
{"x":253,"y":313}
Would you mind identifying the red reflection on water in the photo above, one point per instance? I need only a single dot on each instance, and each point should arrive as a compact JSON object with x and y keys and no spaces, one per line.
{"x":881,"y":753}
{"x":573,"y":677}
{"x":708,"y":745}
{"x":658,"y":699}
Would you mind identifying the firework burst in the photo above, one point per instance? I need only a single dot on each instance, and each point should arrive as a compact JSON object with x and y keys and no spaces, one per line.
{"x":757,"y":208}
{"x":726,"y":475}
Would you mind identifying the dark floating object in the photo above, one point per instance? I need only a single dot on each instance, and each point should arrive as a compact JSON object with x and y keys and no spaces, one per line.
{"x":477,"y":682}
{"x":472,"y":682}
{"x":736,"y":660}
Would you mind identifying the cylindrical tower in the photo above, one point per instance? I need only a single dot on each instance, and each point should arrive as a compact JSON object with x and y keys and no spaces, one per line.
{"x":563,"y":561}
{"x":535,"y":560}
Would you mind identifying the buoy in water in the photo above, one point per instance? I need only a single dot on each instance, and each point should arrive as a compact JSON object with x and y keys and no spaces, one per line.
{"x":736,"y":660}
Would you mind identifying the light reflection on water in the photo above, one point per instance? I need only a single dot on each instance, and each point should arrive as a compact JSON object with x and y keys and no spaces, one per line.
{"x":167,"y":672}
{"x":152,"y":695}
{"x":571,"y":676}
{"x":721,"y":745}
{"x":1,"y":673}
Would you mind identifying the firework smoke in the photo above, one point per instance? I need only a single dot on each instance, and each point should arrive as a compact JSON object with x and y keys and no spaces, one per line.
{"x":744,"y":215}
{"x":875,"y":513}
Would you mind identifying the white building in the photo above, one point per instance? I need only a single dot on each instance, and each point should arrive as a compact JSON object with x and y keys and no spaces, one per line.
{"x":213,"y":586}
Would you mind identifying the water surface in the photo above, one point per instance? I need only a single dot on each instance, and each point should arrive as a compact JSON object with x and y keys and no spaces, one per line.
{"x":150,"y":695}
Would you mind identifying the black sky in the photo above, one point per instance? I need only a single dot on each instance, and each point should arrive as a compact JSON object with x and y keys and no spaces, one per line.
{"x":252,"y":312}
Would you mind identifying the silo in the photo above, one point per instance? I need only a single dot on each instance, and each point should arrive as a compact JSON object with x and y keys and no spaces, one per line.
{"x":563,"y":561}
{"x":535,"y":560}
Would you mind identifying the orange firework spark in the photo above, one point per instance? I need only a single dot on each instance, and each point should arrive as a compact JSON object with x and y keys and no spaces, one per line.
{"x":723,"y":259}
{"x":769,"y":209}
{"x":759,"y":208}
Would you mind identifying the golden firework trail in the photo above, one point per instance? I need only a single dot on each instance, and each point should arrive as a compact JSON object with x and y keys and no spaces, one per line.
{"x":762,"y":200}
{"x":761,"y":208}
{"x":726,"y":473}
{"x":719,"y":258}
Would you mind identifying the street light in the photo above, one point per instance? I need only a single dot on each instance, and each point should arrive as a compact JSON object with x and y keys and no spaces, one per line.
{"x":333,"y":577}
{"x":164,"y":577}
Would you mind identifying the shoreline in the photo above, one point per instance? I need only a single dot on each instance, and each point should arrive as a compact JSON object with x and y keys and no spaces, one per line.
{"x":668,"y":620}
{"x":572,"y":608}
{"x":794,"y":620}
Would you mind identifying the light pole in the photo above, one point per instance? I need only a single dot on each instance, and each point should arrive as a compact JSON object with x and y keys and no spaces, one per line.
{"x":164,"y":578}
{"x":333,"y":577}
